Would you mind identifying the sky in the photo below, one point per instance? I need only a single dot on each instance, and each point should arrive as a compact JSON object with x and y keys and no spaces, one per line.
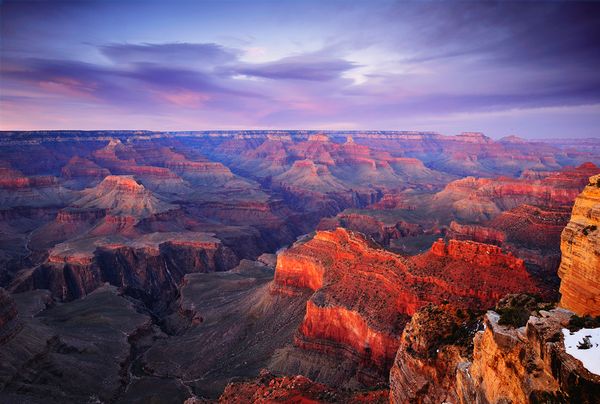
{"x":511,"y":68}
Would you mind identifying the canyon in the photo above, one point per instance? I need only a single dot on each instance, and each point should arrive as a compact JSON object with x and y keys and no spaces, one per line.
{"x":295,"y":266}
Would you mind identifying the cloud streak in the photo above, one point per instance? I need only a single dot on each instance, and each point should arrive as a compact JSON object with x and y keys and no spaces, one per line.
{"x":374,"y":65}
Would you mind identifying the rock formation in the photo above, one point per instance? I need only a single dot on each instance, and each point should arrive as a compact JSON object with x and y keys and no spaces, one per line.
{"x":435,"y":341}
{"x":505,"y":363}
{"x":267,"y":389}
{"x":363,"y":295}
{"x":527,"y":364}
{"x":580,"y":245}
{"x":150,"y":267}
{"x":122,"y":195}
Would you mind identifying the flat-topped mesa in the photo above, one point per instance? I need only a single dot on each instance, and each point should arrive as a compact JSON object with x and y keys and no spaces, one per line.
{"x":477,"y":253}
{"x":580,"y":245}
{"x":512,"y":139}
{"x":151,"y":265}
{"x":187,"y":166}
{"x":320,"y":137}
{"x":472,"y":137}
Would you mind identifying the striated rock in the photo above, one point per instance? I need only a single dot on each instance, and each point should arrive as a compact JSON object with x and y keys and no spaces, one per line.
{"x":363,"y":295}
{"x":79,"y":167}
{"x":580,"y":245}
{"x":381,"y":232}
{"x":268,"y":388}
{"x":150,"y":267}
{"x":480,"y":199}
{"x":122,"y":195}
{"x":434,"y":343}
{"x":18,"y":190}
{"x":527,"y":364}
{"x":477,"y":253}
{"x":234,"y":325}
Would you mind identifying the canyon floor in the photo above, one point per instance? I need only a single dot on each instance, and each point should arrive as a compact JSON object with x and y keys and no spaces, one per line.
{"x":296,"y":266}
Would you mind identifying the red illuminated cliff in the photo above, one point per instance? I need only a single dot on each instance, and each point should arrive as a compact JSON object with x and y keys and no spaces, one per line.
{"x":364,"y":295}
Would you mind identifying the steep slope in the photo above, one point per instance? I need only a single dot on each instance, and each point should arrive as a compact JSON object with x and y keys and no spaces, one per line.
{"x":580,"y":245}
{"x":363,"y":295}
{"x":121,"y":195}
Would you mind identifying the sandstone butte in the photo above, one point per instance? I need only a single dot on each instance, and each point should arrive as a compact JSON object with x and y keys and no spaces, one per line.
{"x":580,"y":246}
{"x":364,"y":295}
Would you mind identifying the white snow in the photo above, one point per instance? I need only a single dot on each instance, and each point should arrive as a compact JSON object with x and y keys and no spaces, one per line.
{"x":589,"y":357}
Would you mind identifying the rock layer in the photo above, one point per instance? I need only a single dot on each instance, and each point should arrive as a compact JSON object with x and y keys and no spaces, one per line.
{"x":580,"y":245}
{"x":364,"y":295}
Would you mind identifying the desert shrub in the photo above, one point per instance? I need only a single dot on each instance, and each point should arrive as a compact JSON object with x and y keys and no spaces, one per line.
{"x":577,"y":323}
{"x":514,"y":316}
{"x":585,"y":344}
{"x":515,"y":310}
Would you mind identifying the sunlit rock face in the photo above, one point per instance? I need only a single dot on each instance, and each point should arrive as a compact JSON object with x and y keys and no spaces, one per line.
{"x":364,"y":295}
{"x":580,"y":245}
{"x":446,"y":356}
{"x":527,"y":364}
{"x":433,"y":344}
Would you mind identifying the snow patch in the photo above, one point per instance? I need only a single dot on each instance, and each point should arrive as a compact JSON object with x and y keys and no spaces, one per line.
{"x":589,"y":357}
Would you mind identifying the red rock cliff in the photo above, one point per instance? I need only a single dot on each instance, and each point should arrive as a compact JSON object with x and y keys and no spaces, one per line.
{"x":580,"y":245}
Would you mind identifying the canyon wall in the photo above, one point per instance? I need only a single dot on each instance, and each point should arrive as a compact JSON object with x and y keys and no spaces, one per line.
{"x":580,"y":245}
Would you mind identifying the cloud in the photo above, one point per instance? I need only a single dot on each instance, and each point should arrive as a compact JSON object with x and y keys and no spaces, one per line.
{"x":301,"y":67}
{"x":374,"y":62}
{"x":200,"y":54}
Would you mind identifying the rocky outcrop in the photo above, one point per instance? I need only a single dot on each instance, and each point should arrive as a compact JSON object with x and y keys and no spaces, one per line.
{"x":268,"y":388}
{"x":379,"y":231}
{"x":505,"y":363}
{"x":580,"y":245}
{"x":150,"y":267}
{"x":363,"y":295}
{"x":527,"y":364}
{"x":433,"y":344}
{"x":478,"y":254}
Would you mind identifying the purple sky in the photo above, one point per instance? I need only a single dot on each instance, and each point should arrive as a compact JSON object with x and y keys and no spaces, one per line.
{"x":529,"y":69}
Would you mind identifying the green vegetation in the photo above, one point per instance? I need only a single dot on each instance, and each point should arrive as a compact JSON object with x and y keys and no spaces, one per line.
{"x":515,"y":310}
{"x":577,"y":323}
